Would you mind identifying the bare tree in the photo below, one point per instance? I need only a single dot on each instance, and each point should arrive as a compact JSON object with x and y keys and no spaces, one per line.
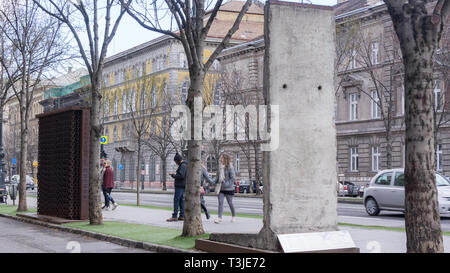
{"x":235,"y":91}
{"x":189,"y":24}
{"x":83,"y":18}
{"x":6,"y":93}
{"x":419,"y":29}
{"x":36,"y":44}
{"x":139,"y":108}
{"x":159,"y":139}
{"x":384,"y":76}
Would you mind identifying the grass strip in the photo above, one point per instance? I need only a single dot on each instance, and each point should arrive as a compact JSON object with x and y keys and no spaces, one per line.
{"x":445,"y":233}
{"x":143,"y":233}
{"x":12,"y":210}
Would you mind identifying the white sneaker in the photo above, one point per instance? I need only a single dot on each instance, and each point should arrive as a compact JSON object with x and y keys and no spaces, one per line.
{"x":115,"y":205}
{"x":218,"y":221}
{"x":233,"y":219}
{"x":106,"y":208}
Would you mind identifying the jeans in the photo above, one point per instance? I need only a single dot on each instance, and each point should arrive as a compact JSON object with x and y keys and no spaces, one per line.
{"x":178,"y":202}
{"x":107,"y":195}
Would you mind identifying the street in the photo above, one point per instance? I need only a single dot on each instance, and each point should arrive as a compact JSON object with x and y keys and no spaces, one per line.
{"x":19,"y":237}
{"x":347,"y":213}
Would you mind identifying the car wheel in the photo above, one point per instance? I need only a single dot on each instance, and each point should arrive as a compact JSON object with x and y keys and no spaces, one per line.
{"x":372,"y":207}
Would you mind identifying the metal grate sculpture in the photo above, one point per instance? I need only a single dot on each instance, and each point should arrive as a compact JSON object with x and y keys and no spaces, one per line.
{"x":63,"y":171}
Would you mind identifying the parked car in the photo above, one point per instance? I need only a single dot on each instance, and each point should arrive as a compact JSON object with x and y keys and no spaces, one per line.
{"x":30,"y":182}
{"x":361,"y":191}
{"x":386,"y":191}
{"x":3,"y":193}
{"x":350,"y":189}
{"x":243,"y":185}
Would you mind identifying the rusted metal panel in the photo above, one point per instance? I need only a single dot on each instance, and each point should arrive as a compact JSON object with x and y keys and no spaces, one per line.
{"x":63,"y":171}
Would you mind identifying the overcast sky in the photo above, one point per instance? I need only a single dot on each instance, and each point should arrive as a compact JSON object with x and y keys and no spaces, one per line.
{"x":130,"y":34}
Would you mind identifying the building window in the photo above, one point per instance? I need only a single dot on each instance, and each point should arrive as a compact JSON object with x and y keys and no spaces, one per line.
{"x":353,"y":106}
{"x":439,"y":157}
{"x":106,"y":106}
{"x":133,"y":100}
{"x":217,"y":97}
{"x":354,"y":159}
{"x":154,"y":96}
{"x":124,"y":103}
{"x":183,"y":61}
{"x":211,"y":164}
{"x":116,"y":103}
{"x":376,"y":158}
{"x":375,"y":105}
{"x":184,"y":92}
{"x":374,"y":53}
{"x":143,"y":99}
{"x":437,"y":95}
{"x":238,"y":163}
{"x":403,"y":99}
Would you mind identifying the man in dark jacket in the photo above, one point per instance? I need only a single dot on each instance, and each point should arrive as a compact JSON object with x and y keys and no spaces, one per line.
{"x":180,"y":184}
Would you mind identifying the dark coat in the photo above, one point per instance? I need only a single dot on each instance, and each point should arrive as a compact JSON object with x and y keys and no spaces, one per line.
{"x":180,"y":176}
{"x":108,"y":178}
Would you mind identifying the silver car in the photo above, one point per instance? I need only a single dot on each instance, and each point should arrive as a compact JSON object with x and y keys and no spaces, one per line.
{"x":386,"y":191}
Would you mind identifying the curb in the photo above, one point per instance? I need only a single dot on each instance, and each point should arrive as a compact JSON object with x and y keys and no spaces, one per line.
{"x":103,"y":237}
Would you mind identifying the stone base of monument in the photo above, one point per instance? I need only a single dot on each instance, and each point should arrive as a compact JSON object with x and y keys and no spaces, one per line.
{"x":310,"y":242}
{"x":47,"y":219}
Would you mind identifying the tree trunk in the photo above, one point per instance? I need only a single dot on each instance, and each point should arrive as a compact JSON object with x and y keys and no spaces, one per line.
{"x":192,"y":225}
{"x":95,"y":210}
{"x":138,"y":175}
{"x":418,"y":40}
{"x":388,"y":150}
{"x":23,"y":165}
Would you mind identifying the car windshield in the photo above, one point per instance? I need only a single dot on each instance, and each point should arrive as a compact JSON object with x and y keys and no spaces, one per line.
{"x":441,"y":181}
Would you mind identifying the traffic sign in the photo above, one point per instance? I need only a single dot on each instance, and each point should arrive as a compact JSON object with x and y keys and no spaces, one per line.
{"x":35,"y":163}
{"x":120,"y":167}
{"x":104,"y":140}
{"x":14,"y":160}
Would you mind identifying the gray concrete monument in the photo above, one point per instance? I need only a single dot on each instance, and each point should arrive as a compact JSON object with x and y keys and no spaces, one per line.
{"x":300,"y":202}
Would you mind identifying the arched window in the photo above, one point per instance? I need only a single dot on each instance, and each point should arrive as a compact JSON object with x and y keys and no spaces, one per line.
{"x":184,"y":92}
{"x":115,"y":133}
{"x":183,"y":60}
{"x":116,"y":105}
{"x":154,"y":91}
{"x":106,"y":106}
{"x":211,"y":164}
{"x":216,"y":94}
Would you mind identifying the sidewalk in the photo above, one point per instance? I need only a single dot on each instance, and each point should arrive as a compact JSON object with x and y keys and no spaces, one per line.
{"x":367,"y":240}
{"x":351,"y":200}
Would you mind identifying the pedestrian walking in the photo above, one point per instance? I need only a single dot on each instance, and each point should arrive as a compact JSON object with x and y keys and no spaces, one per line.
{"x":225,"y":181}
{"x":180,"y":184}
{"x":101,"y":173}
{"x":202,"y":189}
{"x":108,"y":185}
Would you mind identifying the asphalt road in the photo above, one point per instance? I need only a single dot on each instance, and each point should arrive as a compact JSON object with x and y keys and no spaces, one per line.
{"x":347,"y":213}
{"x":18,"y":237}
